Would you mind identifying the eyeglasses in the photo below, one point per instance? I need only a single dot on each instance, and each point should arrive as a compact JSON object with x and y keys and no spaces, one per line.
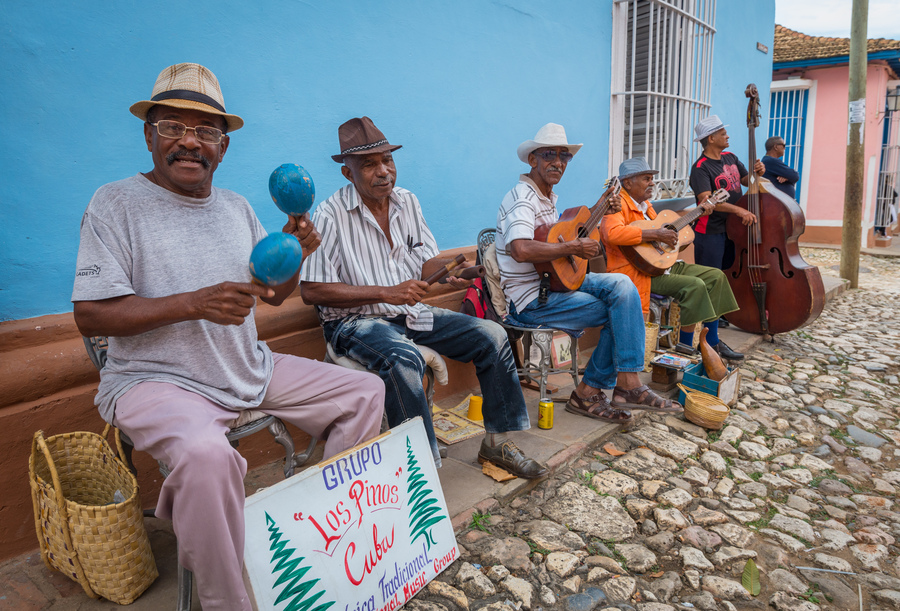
{"x":550,"y":155}
{"x":176,"y":130}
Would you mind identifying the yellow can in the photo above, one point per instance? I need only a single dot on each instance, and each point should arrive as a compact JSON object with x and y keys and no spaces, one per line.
{"x":545,"y":414}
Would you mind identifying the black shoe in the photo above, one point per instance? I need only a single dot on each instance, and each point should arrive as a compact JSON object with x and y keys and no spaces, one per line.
{"x":511,"y":458}
{"x":723,"y":323}
{"x":727,"y":353}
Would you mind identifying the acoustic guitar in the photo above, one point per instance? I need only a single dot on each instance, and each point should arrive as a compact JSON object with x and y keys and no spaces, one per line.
{"x":567,"y":273}
{"x":654,"y":258}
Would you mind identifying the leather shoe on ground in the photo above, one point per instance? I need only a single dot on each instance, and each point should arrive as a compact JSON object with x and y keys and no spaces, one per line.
{"x":723,"y":323}
{"x":507,"y":456}
{"x":727,"y":353}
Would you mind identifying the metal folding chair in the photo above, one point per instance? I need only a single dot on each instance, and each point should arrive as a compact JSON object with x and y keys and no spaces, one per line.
{"x":541,"y":337}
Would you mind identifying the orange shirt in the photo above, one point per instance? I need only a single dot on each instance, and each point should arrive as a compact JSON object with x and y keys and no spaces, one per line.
{"x":616,"y":230}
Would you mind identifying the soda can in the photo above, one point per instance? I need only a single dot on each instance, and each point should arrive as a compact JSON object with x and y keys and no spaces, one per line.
{"x":545,"y":414}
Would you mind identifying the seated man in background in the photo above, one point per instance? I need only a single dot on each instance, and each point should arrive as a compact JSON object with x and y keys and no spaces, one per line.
{"x":781,"y":175}
{"x":366,"y":280}
{"x":163,"y":272}
{"x":702,"y":292}
{"x":607,"y":300}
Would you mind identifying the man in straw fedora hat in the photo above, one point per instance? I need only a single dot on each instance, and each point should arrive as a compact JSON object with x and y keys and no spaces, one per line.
{"x":163,"y":272}
{"x":607,"y":300}
{"x":717,"y":169}
{"x":366,"y":280}
{"x":702,"y":292}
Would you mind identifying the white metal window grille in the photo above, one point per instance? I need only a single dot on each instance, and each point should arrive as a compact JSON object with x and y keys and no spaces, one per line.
{"x":662,"y":52}
{"x":888,"y":194}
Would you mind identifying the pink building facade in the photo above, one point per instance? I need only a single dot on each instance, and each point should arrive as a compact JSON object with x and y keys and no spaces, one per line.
{"x":818,"y":131}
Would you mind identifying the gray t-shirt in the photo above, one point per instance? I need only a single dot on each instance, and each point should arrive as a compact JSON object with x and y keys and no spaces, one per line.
{"x":140,"y":239}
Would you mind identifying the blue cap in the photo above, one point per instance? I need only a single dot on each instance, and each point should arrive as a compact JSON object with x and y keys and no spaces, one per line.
{"x":634,"y":166}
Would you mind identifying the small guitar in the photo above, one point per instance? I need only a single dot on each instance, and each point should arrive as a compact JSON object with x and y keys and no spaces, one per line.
{"x":567,"y":273}
{"x":654,"y":258}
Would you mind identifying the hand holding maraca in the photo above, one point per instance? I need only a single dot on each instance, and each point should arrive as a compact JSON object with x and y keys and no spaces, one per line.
{"x":293,"y":191}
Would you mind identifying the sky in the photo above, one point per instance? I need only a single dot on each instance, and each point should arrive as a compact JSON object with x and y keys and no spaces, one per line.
{"x":832,"y":17}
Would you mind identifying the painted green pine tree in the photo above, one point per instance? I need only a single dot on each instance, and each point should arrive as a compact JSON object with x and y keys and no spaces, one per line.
{"x":291,"y":574}
{"x":422,"y":503}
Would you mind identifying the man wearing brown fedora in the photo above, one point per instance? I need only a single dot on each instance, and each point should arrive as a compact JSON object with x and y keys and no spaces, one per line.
{"x":163,"y":272}
{"x":366,"y":280}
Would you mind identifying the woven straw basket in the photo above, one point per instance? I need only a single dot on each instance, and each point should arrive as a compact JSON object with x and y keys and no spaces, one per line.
{"x":83,"y":533}
{"x":703,"y":409}
{"x":650,"y":342}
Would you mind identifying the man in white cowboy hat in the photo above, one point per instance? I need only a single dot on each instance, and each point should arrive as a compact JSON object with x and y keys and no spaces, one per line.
{"x":366,"y":280}
{"x":717,"y":169}
{"x":702,"y":292}
{"x":163,"y":271}
{"x":607,"y":300}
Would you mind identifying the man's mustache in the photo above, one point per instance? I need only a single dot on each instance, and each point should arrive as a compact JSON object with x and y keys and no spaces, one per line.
{"x":187,"y":156}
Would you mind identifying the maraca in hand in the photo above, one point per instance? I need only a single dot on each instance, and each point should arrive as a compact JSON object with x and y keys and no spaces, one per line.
{"x":275,"y":259}
{"x":292,"y":189}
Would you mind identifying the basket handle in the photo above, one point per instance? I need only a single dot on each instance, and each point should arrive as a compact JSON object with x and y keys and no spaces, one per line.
{"x":686,"y":390}
{"x":39,"y":443}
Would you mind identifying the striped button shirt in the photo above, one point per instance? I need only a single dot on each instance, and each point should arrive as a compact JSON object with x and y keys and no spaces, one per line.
{"x":355,"y":251}
{"x":523,"y":209}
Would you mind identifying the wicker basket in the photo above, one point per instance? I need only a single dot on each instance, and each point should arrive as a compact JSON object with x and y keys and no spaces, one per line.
{"x":675,"y":322}
{"x":83,"y":533}
{"x":651,"y":335}
{"x":703,"y":409}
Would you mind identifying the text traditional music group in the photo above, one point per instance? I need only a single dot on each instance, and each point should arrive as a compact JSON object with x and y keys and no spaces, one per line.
{"x":173,"y":293}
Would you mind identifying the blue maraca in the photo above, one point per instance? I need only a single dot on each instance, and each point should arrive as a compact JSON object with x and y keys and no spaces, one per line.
{"x":292,"y":189}
{"x":275,"y":259}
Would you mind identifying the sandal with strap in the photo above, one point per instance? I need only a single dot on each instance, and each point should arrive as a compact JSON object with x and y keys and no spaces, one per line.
{"x":597,"y":407}
{"x":643,"y":398}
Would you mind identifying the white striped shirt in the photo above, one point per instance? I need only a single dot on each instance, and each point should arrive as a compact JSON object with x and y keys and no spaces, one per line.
{"x":523,"y":209}
{"x":355,"y":251}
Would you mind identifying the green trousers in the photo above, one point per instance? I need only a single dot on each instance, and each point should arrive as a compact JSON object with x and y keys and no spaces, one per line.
{"x":702,"y":292}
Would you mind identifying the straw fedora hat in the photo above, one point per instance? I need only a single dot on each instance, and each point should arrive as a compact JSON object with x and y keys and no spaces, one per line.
{"x":551,"y":134}
{"x":359,"y":136}
{"x":188,"y":86}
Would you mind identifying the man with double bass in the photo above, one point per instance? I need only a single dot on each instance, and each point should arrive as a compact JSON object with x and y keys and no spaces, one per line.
{"x":718,"y":169}
{"x":702,"y":292}
{"x":610,"y":300}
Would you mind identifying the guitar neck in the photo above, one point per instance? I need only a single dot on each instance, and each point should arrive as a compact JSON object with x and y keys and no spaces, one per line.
{"x":600,"y":209}
{"x":688,"y":218}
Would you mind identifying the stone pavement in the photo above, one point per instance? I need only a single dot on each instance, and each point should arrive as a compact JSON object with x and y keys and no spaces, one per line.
{"x":670,"y":523}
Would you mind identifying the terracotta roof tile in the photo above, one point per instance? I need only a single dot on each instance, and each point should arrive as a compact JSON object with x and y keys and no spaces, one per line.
{"x":793,"y":46}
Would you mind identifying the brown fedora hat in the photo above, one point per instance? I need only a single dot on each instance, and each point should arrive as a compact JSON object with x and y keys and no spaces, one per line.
{"x":359,"y":136}
{"x":187,"y":86}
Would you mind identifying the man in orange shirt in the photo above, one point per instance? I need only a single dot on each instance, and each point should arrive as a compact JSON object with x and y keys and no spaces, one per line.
{"x":702,"y":292}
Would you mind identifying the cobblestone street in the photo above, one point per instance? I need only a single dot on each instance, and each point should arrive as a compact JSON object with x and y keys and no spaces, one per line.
{"x":802,"y":479}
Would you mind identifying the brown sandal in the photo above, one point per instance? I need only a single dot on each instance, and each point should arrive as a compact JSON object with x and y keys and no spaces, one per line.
{"x":597,"y":407}
{"x":643,"y":398}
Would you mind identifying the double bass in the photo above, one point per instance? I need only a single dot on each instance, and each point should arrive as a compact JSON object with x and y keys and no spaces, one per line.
{"x":775,"y":288}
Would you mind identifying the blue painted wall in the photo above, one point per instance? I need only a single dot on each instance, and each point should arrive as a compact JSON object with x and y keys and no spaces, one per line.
{"x":460,"y":84}
{"x":737,"y":62}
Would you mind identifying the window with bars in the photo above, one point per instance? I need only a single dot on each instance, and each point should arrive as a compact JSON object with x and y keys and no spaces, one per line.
{"x":787,"y":119}
{"x":661,"y":80}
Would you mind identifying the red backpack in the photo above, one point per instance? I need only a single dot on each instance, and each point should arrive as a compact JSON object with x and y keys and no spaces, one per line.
{"x":477,"y":303}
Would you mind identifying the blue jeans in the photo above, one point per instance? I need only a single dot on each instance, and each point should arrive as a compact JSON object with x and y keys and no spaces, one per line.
{"x":610,"y":300}
{"x":385,"y":347}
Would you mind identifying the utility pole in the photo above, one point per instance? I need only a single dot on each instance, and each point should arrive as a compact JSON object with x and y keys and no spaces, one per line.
{"x":854,"y":187}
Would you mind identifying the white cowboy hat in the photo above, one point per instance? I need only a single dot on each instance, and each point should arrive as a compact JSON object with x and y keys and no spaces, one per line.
{"x":551,"y":134}
{"x":187,"y":86}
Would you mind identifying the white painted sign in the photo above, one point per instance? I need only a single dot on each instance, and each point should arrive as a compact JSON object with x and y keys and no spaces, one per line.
{"x":364,"y":531}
